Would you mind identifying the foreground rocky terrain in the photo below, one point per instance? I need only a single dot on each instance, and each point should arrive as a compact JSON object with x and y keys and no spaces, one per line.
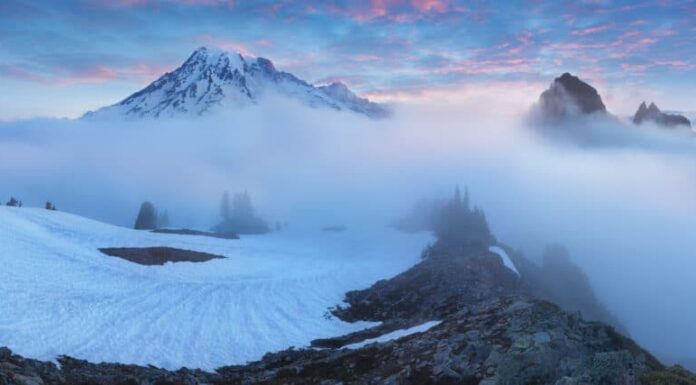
{"x":495,"y":325}
{"x":508,"y":340}
{"x":493,"y":331}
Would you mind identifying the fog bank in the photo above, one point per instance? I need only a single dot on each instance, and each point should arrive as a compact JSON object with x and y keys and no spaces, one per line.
{"x":623,"y":202}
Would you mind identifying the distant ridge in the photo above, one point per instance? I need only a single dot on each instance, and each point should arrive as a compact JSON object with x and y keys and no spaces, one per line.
{"x":653,"y":114}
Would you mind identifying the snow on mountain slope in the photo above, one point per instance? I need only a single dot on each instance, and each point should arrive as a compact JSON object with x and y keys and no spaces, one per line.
{"x":60,"y":295}
{"x":506,"y":259}
{"x":396,"y":334}
{"x":211,"y":80}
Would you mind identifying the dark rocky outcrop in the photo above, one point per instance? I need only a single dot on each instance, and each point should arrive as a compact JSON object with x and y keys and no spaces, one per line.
{"x":653,"y":114}
{"x":568,"y":96}
{"x":433,"y":288}
{"x":157,"y":255}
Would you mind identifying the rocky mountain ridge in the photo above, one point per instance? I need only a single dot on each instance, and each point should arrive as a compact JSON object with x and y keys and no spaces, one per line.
{"x":653,"y":114}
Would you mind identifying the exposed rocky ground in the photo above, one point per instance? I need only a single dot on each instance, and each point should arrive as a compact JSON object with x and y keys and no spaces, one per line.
{"x":157,"y":255}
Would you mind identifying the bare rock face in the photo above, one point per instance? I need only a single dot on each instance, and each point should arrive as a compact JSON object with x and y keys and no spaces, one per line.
{"x":433,"y":288}
{"x":569,"y":97}
{"x":653,"y":114}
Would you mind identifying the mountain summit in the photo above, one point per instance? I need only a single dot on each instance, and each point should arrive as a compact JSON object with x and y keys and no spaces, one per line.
{"x":569,"y":96}
{"x":212,"y":80}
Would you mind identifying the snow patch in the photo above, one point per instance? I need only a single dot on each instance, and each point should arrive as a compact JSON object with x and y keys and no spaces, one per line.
{"x":396,"y":334}
{"x":506,"y":259}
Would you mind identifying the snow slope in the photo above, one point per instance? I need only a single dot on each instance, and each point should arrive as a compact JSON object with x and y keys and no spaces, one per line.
{"x":506,"y":258}
{"x":60,"y":295}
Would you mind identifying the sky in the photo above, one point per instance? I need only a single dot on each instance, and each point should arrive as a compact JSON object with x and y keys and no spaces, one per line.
{"x":63,"y":58}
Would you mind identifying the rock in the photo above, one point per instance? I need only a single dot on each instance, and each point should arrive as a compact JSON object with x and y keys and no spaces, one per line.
{"x":669,"y":376}
{"x":567,"y":97}
{"x":653,"y":114}
{"x":27,"y":380}
{"x":158,"y":255}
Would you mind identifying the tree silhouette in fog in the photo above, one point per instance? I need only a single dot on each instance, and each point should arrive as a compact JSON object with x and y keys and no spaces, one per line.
{"x":147,"y":217}
{"x":239,"y":216}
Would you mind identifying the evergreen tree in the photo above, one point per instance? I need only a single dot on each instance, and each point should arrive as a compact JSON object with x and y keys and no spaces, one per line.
{"x":50,"y":206}
{"x":241,"y":206}
{"x":225,"y":206}
{"x":13,"y":202}
{"x":239,"y":217}
{"x":163,"y":220}
{"x":147,"y":217}
{"x":458,"y":224}
{"x":466,"y":197}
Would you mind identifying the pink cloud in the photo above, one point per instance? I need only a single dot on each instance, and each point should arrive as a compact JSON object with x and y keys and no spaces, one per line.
{"x":680,"y":65}
{"x":589,"y":31}
{"x":431,"y":5}
{"x":488,"y":66}
{"x":89,"y":75}
{"x":137,"y":3}
{"x":225,"y":45}
{"x":264,"y":42}
{"x":400,"y":11}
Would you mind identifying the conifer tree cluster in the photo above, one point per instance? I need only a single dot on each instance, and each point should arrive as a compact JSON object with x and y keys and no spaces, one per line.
{"x":239,"y":216}
{"x":458,"y":223}
{"x":13,"y":202}
{"x":149,"y":218}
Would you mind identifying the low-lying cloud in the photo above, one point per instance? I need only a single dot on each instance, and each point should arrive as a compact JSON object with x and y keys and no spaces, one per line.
{"x":623,"y":201}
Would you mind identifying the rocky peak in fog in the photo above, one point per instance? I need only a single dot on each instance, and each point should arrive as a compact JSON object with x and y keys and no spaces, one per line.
{"x":213,"y":80}
{"x":568,"y":96}
{"x":653,"y":114}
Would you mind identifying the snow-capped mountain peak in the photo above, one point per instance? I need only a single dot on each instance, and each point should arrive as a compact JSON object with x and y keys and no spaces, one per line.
{"x":212,"y":79}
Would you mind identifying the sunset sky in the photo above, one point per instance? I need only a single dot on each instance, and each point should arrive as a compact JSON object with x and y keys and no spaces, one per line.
{"x":62,"y":58}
